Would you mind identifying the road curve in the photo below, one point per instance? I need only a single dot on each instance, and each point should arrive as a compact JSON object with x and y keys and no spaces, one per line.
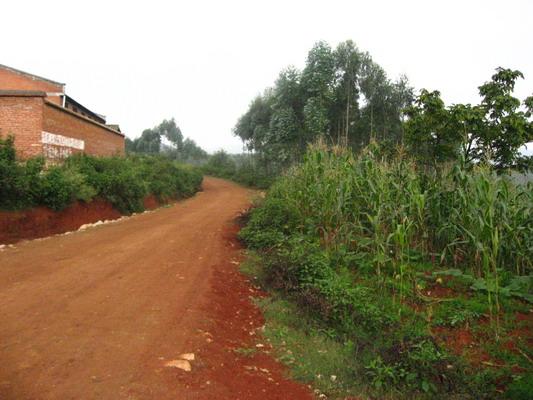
{"x":96,"y":314}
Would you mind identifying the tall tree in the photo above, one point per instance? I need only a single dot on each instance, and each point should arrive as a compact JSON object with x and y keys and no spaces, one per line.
{"x":349,"y":62}
{"x":169,"y":130}
{"x":151,"y":142}
{"x":492,"y":132}
{"x":323,"y":101}
{"x":431,"y":135}
{"x":507,"y":127}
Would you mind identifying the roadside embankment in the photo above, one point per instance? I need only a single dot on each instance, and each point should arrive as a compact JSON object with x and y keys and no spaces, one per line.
{"x":42,"y":221}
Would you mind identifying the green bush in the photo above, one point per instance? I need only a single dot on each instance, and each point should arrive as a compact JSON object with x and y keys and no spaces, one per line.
{"x":19,"y":182}
{"x":124,"y":181}
{"x":60,"y":187}
{"x":269,"y":224}
{"x":123,"y":189}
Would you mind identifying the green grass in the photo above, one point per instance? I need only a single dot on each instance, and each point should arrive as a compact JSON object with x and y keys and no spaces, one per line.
{"x":303,"y":345}
{"x":312,"y":356}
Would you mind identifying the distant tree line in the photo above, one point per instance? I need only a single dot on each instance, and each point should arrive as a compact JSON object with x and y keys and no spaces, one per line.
{"x":152,"y":141}
{"x":240,"y":168}
{"x":344,"y":97}
{"x":341,"y":95}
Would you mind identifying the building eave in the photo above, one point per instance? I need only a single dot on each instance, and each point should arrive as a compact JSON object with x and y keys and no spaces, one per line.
{"x":81,"y":106}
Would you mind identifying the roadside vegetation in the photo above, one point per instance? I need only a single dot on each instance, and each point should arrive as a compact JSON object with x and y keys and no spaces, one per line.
{"x":124,"y":181}
{"x":399,"y":259}
{"x":167,"y":140}
{"x":426,"y":281}
{"x":240,"y":168}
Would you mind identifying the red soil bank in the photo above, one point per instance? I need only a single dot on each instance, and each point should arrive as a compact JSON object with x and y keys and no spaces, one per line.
{"x":41,"y":221}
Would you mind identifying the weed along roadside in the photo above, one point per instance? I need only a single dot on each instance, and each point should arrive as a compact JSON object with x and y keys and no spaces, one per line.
{"x":386,"y":283}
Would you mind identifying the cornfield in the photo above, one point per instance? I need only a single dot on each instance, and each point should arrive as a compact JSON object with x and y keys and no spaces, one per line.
{"x":387,"y":208}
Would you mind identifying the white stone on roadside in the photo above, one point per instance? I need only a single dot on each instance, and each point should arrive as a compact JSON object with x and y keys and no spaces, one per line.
{"x":187,"y":356}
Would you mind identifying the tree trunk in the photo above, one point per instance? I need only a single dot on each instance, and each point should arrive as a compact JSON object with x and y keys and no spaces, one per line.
{"x":347,"y":114}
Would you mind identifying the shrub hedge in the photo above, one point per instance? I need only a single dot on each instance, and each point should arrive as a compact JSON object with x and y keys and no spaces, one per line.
{"x":124,"y":181}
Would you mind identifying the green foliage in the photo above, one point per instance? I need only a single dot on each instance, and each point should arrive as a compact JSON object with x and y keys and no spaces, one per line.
{"x":345,"y":237}
{"x":430,"y":131}
{"x":521,"y":388}
{"x":220,"y":164}
{"x":309,"y":350}
{"x":460,"y":312}
{"x":123,"y":181}
{"x":148,"y":143}
{"x":60,"y":187}
{"x":152,"y":141}
{"x":19,"y":182}
{"x":492,"y":132}
{"x":246,"y":169}
{"x":269,"y":224}
{"x":324,"y":101}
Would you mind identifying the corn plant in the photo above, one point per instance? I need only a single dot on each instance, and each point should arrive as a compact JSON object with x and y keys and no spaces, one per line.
{"x":477,"y":221}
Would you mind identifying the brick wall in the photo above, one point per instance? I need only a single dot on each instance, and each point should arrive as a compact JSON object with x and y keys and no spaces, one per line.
{"x":98,"y":139}
{"x":13,"y":80}
{"x":22,"y":117}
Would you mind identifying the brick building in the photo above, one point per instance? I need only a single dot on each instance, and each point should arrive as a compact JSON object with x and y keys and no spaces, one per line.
{"x":45,"y":121}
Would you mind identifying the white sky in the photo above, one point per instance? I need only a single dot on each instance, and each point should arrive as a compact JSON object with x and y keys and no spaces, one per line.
{"x":202,"y":62}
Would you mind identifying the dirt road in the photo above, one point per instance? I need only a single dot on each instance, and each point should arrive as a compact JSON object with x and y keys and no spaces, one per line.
{"x":97,"y":314}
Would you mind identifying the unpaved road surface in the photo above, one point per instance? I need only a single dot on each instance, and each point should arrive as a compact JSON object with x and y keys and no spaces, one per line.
{"x":97,"y":314}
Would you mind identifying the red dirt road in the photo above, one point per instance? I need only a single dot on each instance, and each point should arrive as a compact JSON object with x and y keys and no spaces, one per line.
{"x":97,"y":314}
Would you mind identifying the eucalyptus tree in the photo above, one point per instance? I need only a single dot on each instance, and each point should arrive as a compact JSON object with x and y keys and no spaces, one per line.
{"x":286,"y":137}
{"x":323,"y":100}
{"x":171,"y":131}
{"x":318,"y":86}
{"x":189,"y":152}
{"x":177,"y":147}
{"x":349,"y":64}
{"x":149,"y":142}
{"x":252,"y":127}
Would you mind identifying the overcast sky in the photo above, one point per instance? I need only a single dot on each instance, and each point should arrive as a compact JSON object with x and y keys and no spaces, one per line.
{"x":202,"y":62}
